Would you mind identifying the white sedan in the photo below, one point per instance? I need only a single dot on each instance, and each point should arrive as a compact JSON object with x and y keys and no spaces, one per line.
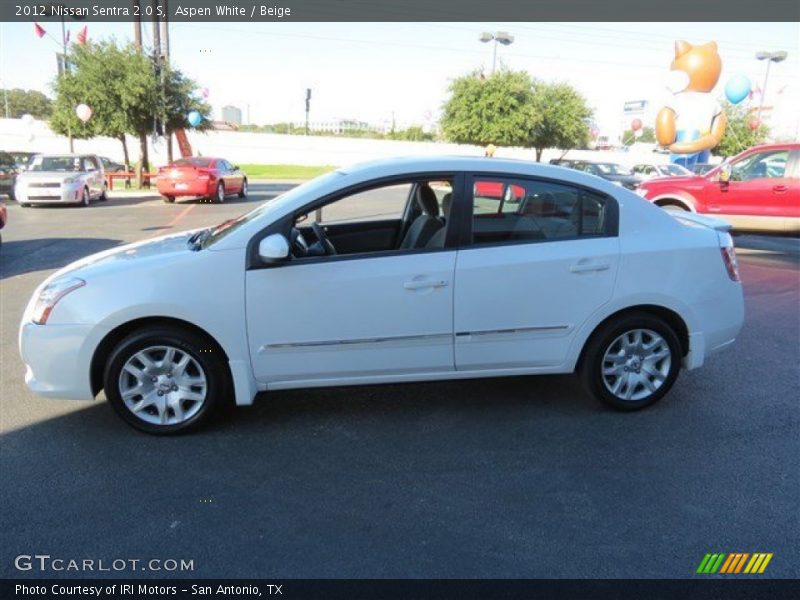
{"x":392,"y":271}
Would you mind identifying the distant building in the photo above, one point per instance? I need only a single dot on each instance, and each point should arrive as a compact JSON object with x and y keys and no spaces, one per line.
{"x":232,"y":114}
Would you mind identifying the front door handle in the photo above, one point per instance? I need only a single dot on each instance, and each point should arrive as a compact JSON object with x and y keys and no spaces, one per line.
{"x":417,"y":285}
{"x":589,"y":267}
{"x":780,"y":189}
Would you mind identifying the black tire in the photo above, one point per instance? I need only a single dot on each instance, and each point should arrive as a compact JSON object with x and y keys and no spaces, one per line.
{"x":219,"y":196}
{"x":85,"y":198}
{"x":168,"y":199}
{"x":206,"y":356}
{"x":104,"y":195}
{"x":24,"y":204}
{"x":243,"y":191}
{"x":592,"y":363}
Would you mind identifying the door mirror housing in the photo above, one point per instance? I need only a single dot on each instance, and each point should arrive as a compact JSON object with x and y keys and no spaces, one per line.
{"x":725,"y":173}
{"x":273,"y":249}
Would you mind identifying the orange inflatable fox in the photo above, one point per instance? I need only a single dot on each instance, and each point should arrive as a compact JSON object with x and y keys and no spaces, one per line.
{"x":693,"y":123}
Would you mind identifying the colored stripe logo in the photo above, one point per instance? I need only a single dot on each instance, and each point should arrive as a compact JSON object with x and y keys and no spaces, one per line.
{"x":734,"y":563}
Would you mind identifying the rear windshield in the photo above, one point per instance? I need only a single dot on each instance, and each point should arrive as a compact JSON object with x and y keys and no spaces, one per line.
{"x":193,"y":162}
{"x":56,"y":163}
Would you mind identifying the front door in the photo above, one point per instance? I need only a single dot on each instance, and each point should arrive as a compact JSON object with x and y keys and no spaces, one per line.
{"x":539,"y":264}
{"x":371,"y":310}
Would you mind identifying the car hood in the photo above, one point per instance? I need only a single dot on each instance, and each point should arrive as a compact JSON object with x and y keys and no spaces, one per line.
{"x":678,"y":180}
{"x":129,"y":256}
{"x":48,"y":175}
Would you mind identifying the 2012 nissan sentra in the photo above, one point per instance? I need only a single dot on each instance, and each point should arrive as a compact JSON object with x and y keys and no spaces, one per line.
{"x":392,"y":271}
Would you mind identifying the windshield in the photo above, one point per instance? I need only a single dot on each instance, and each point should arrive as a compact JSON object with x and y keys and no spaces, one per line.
{"x":612,"y":169}
{"x":225,"y":228}
{"x":71,"y":164}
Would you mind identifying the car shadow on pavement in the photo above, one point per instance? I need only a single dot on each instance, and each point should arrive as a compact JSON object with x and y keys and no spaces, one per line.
{"x":40,"y":254}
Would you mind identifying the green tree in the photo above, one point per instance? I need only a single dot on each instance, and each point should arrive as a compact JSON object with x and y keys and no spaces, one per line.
{"x":495,"y":110}
{"x":648,"y":136}
{"x":738,"y":135}
{"x":25,"y":102}
{"x":117,"y":83}
{"x":561,"y":118}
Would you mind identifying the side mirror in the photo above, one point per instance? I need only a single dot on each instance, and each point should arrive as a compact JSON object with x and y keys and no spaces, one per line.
{"x":725,"y":173}
{"x":273,"y":249}
{"x":235,"y":167}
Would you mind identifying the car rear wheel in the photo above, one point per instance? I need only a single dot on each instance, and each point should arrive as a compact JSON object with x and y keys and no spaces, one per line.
{"x":219,"y":195}
{"x":243,"y":191}
{"x":168,"y":199}
{"x":104,"y":194}
{"x":631,"y":362}
{"x":166,"y":380}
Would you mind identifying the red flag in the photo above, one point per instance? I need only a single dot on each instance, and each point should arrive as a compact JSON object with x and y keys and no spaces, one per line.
{"x":39,"y":30}
{"x":83,"y":34}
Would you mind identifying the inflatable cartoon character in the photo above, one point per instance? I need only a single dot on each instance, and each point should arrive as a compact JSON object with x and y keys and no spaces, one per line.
{"x":693,"y":122}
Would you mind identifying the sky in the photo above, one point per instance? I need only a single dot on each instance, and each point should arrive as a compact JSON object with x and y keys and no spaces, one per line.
{"x":378,"y":71}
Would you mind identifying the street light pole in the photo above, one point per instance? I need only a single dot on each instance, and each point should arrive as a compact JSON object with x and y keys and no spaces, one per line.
{"x":502,"y":37}
{"x":770,"y":57}
{"x":65,"y":68}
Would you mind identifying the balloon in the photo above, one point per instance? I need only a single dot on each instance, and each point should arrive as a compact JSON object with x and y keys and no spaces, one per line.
{"x":737,"y":89}
{"x":636,"y":124}
{"x":594,"y":131}
{"x":27,"y":119}
{"x":754,"y":123}
{"x":204,"y":92}
{"x":194,"y":118}
{"x":84,"y":112}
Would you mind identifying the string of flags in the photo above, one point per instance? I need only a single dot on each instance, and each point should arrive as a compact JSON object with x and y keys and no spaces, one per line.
{"x":80,"y":39}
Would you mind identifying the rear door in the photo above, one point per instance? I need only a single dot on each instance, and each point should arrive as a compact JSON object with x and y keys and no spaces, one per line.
{"x":531,"y":271}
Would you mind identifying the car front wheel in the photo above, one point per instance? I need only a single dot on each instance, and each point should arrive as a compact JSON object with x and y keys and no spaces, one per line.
{"x":631,"y":362}
{"x":85,"y":197}
{"x":166,"y":380}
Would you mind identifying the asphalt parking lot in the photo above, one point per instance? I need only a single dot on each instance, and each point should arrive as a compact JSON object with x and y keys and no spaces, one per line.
{"x":518,"y":477}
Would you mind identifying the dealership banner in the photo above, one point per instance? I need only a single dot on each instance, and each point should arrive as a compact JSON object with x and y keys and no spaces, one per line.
{"x":416,"y":589}
{"x":393,"y":11}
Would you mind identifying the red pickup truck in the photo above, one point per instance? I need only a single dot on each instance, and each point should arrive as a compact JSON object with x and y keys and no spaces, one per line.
{"x":757,"y":190}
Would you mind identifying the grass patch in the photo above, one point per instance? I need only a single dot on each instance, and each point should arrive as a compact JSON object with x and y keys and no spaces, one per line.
{"x":284,"y":171}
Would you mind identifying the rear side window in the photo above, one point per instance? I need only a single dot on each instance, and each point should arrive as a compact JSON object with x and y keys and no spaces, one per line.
{"x":518,"y":211}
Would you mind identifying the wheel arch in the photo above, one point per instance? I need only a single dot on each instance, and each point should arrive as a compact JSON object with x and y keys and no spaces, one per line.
{"x":672,"y":318}
{"x":113,"y":337}
{"x":675,"y":200}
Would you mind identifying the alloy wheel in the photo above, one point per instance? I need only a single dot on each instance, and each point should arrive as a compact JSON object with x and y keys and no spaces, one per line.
{"x":636,"y":364}
{"x":163,"y":385}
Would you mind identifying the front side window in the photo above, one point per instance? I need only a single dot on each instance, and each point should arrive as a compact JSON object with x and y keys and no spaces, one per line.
{"x":371,"y":205}
{"x":535,"y":211}
{"x":762,"y":165}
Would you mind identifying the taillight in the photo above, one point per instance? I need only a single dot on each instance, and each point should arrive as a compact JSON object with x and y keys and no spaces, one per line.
{"x":731,"y":264}
{"x":204,"y":174}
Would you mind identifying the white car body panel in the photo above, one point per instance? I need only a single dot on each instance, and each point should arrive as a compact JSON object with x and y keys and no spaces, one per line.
{"x":353,"y":321}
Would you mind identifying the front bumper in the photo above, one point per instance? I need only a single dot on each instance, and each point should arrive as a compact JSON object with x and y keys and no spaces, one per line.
{"x":65,"y":194}
{"x":57,"y":359}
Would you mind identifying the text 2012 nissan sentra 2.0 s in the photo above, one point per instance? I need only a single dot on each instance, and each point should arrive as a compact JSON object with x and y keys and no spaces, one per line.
{"x":409,"y":275}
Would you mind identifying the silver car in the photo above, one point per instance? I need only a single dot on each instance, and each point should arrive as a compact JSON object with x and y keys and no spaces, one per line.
{"x":62,"y":179}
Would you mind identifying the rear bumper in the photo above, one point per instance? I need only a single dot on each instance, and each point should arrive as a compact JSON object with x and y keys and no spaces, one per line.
{"x":167,"y":187}
{"x":721,"y":325}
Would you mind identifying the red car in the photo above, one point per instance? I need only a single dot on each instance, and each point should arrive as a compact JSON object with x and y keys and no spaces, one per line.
{"x":757,"y":190}
{"x":211,"y":178}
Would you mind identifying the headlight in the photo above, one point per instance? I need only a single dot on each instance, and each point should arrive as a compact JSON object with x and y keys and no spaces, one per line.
{"x":69,"y":180}
{"x":50,"y":295}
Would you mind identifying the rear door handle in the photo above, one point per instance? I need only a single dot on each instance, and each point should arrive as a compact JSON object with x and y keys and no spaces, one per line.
{"x":589,"y":267}
{"x":417,"y":285}
{"x":780,"y":189}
